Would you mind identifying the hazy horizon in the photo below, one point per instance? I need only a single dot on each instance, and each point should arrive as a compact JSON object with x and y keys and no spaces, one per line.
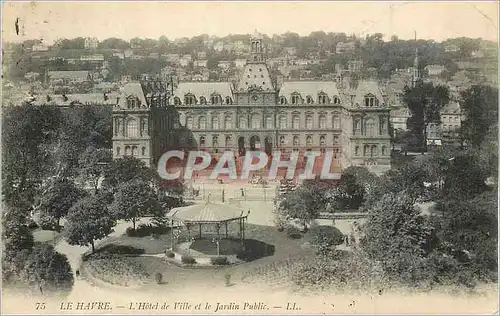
{"x":431,"y":20}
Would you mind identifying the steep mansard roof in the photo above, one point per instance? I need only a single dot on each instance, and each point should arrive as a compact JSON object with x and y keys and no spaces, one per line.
{"x":310,"y":88}
{"x":204,"y":89}
{"x":365,"y":88}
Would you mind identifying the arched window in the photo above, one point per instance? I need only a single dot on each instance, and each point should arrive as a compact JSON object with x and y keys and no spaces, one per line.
{"x":336,"y":100}
{"x":322,"y":140}
{"x":143,"y":152}
{"x":373,"y":150}
{"x":189,"y":99}
{"x":215,"y":141}
{"x":202,"y":122}
{"x":119,"y":127}
{"x":177,"y":101}
{"x":282,"y":100}
{"x":215,"y":99}
{"x":282,"y":121}
{"x":322,"y":98}
{"x":134,"y":151}
{"x":228,"y":122}
{"x":383,"y":125}
{"x":255,"y":121}
{"x":296,"y":98}
{"x":118,"y":151}
{"x":370,"y":127}
{"x":243,"y":122}
{"x":356,"y":150}
{"x":215,"y":122}
{"x":269,"y":121}
{"x":130,"y":103}
{"x":203,"y":101}
{"x":127,"y":150}
{"x":335,"y":139}
{"x":309,"y":100}
{"x":295,"y":122}
{"x":309,"y":121}
{"x":228,"y":100}
{"x":357,"y":126}
{"x":309,"y":140}
{"x":322,"y":121}
{"x":366,"y":148}
{"x":336,"y":122}
{"x":296,"y":141}
{"x":228,"y":141}
{"x":282,"y":140}
{"x":202,"y":141}
{"x":384,"y":149}
{"x":189,"y":122}
{"x":131,"y":128}
{"x":370,"y":101}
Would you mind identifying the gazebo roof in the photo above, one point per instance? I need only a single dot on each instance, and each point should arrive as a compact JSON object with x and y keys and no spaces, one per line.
{"x":208,"y":213}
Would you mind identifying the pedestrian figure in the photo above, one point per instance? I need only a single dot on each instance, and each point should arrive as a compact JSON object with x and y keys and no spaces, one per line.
{"x":242,"y":192}
{"x":77,"y":273}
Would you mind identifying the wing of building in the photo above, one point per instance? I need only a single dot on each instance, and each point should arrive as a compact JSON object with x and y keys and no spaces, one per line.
{"x":349,"y":118}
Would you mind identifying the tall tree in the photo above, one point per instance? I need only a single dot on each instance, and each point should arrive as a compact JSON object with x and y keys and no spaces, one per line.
{"x":92,"y":163}
{"x":125,"y":169}
{"x":425,"y":102}
{"x":396,"y":235}
{"x":87,"y":221}
{"x":480,"y":106}
{"x":134,"y":199}
{"x":468,"y":230}
{"x":299,"y":204}
{"x":48,"y":270}
{"x":57,"y":201}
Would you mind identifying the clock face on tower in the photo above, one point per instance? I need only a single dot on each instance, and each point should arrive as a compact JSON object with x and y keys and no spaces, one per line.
{"x":255,"y":98}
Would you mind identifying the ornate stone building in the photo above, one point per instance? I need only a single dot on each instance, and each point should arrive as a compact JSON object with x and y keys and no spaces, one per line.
{"x":350,"y":118}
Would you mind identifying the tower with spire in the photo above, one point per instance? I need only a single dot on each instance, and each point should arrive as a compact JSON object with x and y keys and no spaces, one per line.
{"x":416,"y":70}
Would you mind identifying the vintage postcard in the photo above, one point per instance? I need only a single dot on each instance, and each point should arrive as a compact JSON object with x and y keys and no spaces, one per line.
{"x":257,"y":157}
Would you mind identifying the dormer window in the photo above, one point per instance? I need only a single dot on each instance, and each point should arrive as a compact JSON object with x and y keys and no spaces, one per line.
{"x":309,"y":100}
{"x":228,"y":100}
{"x":131,"y":102}
{"x":336,"y":100}
{"x":215,"y":99}
{"x":295,"y":98}
{"x":177,"y":101}
{"x":189,"y":99}
{"x":282,"y":100}
{"x":203,"y":101}
{"x":322,"y":98}
{"x":369,"y":101}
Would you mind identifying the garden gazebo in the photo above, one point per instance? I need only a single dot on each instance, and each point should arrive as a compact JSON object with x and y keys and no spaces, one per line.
{"x":209,"y":213}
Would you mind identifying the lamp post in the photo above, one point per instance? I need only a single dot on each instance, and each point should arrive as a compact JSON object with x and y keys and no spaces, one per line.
{"x":216,"y":241}
{"x":189,"y":248}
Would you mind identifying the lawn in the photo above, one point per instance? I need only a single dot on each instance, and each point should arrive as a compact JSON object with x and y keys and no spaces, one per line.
{"x":270,"y":249}
{"x":46,"y":236}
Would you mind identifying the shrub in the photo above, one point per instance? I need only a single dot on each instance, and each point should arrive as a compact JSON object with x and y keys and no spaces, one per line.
{"x":292,"y":232}
{"x":130,"y":232}
{"x":219,"y":261}
{"x":143,"y":230}
{"x":170,"y":254}
{"x":158,"y":278}
{"x":188,"y":259}
{"x":325,"y":238}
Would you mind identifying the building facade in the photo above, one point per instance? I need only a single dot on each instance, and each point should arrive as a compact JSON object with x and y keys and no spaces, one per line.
{"x":349,"y":118}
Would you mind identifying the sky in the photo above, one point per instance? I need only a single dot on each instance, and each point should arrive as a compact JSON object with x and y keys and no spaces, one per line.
{"x":64,"y":19}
